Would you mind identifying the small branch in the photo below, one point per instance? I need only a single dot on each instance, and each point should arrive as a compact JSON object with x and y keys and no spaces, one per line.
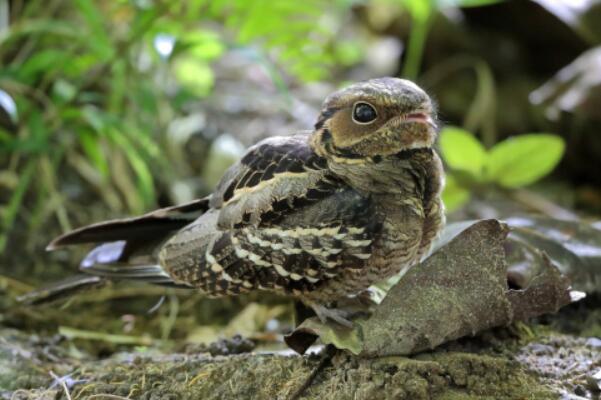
{"x":61,"y":381}
{"x":326,"y":356}
{"x":538,"y":203}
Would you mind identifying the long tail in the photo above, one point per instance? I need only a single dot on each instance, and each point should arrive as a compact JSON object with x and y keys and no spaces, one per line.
{"x":127,"y":251}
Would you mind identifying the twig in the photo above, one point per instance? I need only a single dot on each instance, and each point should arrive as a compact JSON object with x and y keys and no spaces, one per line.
{"x":158,"y":305}
{"x":72,"y":333}
{"x":538,"y":203}
{"x":326,"y":356}
{"x":61,"y":381}
{"x":168,"y":323}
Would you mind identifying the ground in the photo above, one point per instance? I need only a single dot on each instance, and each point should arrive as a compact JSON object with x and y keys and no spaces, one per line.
{"x":540,"y":360}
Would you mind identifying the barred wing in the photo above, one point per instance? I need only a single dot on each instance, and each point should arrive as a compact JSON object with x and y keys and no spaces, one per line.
{"x":280,"y":221}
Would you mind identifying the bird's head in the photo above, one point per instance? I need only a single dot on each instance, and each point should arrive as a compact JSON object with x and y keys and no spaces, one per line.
{"x":375,"y":118}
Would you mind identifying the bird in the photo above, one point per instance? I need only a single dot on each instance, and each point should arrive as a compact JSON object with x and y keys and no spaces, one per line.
{"x":318,"y":216}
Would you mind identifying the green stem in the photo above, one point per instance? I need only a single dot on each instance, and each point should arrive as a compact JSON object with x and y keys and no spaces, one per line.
{"x":415,"y":47}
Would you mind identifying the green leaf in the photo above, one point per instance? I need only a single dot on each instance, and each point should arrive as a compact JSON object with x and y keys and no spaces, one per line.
{"x":38,"y":132}
{"x":524,"y":159}
{"x":205,"y":45}
{"x":100,"y":41}
{"x":44,"y":27}
{"x":462,"y":151}
{"x":92,"y":147}
{"x":293,"y":31}
{"x":195,"y":75}
{"x":454,"y":195}
{"x":43,"y":61}
{"x":145,"y":181}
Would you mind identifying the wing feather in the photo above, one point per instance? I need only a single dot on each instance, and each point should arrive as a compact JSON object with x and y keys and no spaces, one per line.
{"x":287,"y":222}
{"x":151,"y":225}
{"x":269,"y":179}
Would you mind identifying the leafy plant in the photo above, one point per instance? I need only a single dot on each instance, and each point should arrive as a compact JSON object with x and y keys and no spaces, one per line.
{"x":69,"y":78}
{"x":295,"y":30}
{"x":515,"y":162}
{"x":94,"y":90}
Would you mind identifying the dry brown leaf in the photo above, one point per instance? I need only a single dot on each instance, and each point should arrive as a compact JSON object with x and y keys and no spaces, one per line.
{"x":458,"y":291}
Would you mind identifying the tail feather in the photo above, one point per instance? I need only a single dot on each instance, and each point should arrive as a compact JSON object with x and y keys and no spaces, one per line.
{"x":127,"y":251}
{"x":108,"y":260}
{"x":155,"y":224}
{"x":62,"y":289}
{"x":147,"y":273}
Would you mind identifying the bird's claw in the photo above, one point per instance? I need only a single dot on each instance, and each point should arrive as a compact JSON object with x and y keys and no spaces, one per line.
{"x":333,"y":314}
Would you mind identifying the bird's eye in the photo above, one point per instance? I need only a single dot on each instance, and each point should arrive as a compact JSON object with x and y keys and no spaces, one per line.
{"x":364,"y":113}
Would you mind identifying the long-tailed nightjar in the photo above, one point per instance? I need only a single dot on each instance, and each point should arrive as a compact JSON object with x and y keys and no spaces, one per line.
{"x":318,"y":216}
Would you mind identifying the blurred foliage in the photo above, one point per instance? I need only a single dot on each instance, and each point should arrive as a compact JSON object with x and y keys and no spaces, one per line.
{"x":96,"y":84}
{"x":422,"y":12}
{"x":512,"y":163}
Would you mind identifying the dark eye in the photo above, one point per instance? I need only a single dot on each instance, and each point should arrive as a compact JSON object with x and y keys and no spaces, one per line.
{"x":364,"y":113}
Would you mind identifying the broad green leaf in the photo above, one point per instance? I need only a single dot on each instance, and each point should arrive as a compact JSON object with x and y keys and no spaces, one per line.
{"x":454,"y":195}
{"x":522,"y":160}
{"x":462,"y":151}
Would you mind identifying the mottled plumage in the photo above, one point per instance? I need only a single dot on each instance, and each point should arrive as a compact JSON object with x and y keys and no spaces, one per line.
{"x":319,"y":215}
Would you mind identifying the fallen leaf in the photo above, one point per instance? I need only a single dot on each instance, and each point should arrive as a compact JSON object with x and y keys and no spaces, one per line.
{"x":460,"y":290}
{"x":573,"y":246}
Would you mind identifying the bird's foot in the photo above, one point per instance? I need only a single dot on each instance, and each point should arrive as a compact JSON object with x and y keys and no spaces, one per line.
{"x":333,"y":314}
